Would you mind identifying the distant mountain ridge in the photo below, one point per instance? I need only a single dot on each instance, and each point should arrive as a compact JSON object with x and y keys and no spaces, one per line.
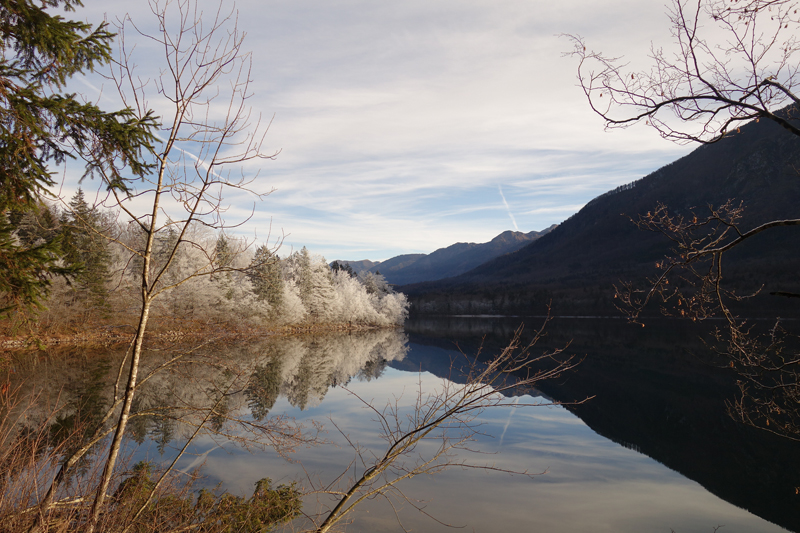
{"x":577,"y":264}
{"x":360,"y":266}
{"x":447,"y":262}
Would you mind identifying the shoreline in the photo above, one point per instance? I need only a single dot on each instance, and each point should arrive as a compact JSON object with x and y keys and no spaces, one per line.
{"x":217,"y":332}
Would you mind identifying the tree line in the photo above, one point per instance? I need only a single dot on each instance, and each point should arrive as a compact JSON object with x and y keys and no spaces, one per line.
{"x":99,"y":276}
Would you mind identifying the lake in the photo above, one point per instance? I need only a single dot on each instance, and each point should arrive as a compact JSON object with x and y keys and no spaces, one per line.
{"x":652,"y":449}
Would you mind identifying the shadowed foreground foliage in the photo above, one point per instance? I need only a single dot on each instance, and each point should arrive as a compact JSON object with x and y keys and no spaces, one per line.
{"x":134,"y":508}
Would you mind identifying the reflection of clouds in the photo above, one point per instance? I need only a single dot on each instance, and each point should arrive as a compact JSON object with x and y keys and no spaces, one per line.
{"x":508,"y":421}
{"x":198,"y":460}
{"x":591,"y":484}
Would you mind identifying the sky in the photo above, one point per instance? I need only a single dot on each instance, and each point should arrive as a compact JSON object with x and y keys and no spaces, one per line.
{"x":404,"y":127}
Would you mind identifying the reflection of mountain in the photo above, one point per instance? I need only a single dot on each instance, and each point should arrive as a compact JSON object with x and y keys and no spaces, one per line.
{"x":448,"y":362}
{"x":651,"y":395}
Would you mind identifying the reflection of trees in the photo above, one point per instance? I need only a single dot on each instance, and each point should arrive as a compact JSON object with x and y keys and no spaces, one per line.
{"x":66,"y":401}
{"x":155,"y":415}
{"x":373,"y":369}
{"x":264,"y":386}
{"x":84,"y":409}
{"x":162,"y":431}
{"x":322,"y":362}
{"x":221,"y":412}
{"x":80,"y":389}
{"x":137,"y":427}
{"x":299,"y":387}
{"x":222,"y":390}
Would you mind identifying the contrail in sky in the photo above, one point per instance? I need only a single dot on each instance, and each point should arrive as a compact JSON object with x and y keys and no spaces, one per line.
{"x":499,"y":188}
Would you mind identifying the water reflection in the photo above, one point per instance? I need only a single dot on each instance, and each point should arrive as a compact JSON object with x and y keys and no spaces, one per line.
{"x":304,"y":368}
{"x":651,"y":394}
{"x":654,"y":392}
{"x":591,"y":484}
{"x":181,"y":383}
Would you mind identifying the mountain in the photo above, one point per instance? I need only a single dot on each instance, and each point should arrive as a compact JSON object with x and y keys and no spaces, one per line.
{"x":396,"y":264}
{"x":453,"y":260}
{"x":360,"y":266}
{"x":577,"y":264}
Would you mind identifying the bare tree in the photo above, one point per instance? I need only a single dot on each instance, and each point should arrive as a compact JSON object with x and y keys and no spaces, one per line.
{"x":440,"y":428}
{"x":192,"y":161}
{"x":204,"y":134}
{"x":731,"y":62}
{"x":690,"y":284}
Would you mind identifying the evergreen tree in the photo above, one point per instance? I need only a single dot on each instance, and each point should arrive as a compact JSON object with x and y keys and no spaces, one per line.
{"x":85,"y":248}
{"x":314,"y":282}
{"x":37,"y":225}
{"x":336,"y":266}
{"x":166,"y":243}
{"x":39,"y":125}
{"x":265,"y":275}
{"x":223,"y":258}
{"x":30,"y":242}
{"x":302,"y":266}
{"x":223,"y":254}
{"x":320,"y":296}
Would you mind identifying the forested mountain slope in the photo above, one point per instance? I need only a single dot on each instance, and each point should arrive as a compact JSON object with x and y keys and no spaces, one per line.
{"x":577,"y":263}
{"x":447,"y":262}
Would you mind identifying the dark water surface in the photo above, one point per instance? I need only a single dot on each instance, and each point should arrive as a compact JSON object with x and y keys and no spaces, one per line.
{"x":654,"y":391}
{"x":652,"y":450}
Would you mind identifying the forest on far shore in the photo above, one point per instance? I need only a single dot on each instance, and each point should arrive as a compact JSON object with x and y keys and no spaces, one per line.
{"x":213,"y":279}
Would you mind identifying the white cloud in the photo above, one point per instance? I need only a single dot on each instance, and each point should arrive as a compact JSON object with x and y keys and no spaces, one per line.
{"x":396,"y":120}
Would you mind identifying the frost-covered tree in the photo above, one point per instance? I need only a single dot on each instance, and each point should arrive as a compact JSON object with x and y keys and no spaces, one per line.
{"x":375,"y":283}
{"x":265,"y":276}
{"x":313,"y":279}
{"x":356,"y":304}
{"x":37,"y":225}
{"x":297,"y":268}
{"x":393,"y":307}
{"x":293,"y":310}
{"x":321,"y":299}
{"x":224,"y":256}
{"x":223,"y":253}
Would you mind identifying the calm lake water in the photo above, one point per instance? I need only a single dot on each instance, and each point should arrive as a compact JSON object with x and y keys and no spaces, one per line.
{"x":652,"y":450}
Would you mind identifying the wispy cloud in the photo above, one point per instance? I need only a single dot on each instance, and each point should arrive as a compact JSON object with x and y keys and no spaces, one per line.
{"x":396,"y":121}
